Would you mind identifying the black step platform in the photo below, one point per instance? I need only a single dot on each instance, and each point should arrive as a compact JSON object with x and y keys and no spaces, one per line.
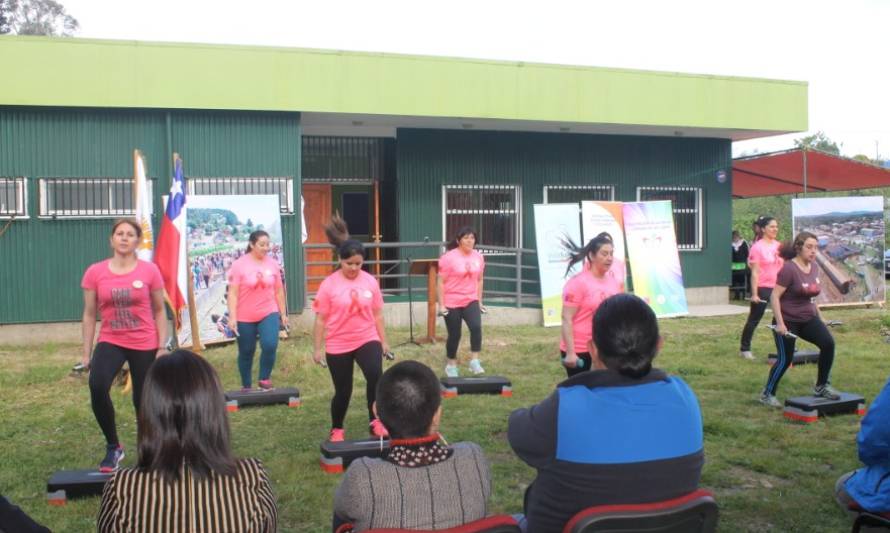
{"x":336,"y":456}
{"x":801,"y":357}
{"x":809,"y":408}
{"x":66,"y":484}
{"x":452,"y":387}
{"x":289,"y":396}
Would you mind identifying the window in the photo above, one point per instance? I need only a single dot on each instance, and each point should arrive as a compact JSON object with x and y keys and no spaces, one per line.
{"x":280,"y":186}
{"x":567,"y":194}
{"x":87,"y":197}
{"x":12,"y":198}
{"x":492,"y":210}
{"x":687,"y":205}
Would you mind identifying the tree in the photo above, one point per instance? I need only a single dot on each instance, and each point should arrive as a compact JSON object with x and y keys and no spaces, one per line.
{"x":818,"y":141}
{"x":36,"y":17}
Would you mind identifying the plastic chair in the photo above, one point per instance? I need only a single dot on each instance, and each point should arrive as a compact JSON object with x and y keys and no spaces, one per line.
{"x":490,"y":524}
{"x":692,"y":513}
{"x":868,"y":518}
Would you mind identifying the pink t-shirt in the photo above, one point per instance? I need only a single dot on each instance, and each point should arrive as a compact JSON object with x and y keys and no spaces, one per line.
{"x":257,"y":282}
{"x":125,"y":303}
{"x":347,"y":307}
{"x":460,"y":277}
{"x":766,"y":256}
{"x":586,"y":292}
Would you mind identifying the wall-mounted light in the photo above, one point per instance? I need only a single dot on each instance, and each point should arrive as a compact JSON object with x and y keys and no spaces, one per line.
{"x":358,"y":122}
{"x":466,"y":126}
{"x":565,"y":129}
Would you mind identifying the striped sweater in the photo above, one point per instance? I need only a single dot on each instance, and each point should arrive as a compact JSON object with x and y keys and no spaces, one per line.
{"x":136,"y":501}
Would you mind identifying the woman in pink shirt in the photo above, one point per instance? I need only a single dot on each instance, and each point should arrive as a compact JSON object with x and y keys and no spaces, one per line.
{"x":765,"y":263}
{"x":349,"y":328}
{"x":256,"y":308}
{"x":129,"y":295}
{"x":581,"y":297}
{"x":460,"y":297}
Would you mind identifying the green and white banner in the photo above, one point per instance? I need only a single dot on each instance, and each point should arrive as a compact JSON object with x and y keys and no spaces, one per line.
{"x":554,"y":223}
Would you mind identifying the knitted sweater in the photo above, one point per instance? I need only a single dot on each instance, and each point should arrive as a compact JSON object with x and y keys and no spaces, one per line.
{"x":376,"y":493}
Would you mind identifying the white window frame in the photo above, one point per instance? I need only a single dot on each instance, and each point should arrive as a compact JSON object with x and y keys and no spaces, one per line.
{"x":102,"y":212}
{"x":517,"y":210}
{"x":21,"y":198}
{"x":609,"y":188}
{"x":286,"y":207}
{"x":698,"y":210}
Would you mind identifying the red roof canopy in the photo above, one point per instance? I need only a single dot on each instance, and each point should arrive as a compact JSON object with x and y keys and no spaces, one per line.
{"x":783,"y":173}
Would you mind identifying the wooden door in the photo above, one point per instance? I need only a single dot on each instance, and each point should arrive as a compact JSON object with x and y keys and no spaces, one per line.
{"x":317,"y":214}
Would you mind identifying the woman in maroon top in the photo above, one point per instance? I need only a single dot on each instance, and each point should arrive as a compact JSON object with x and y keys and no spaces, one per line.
{"x":796,"y":313}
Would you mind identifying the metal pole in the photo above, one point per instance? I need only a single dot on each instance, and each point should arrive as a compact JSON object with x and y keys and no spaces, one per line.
{"x":518,"y":277}
{"x":805,"y":172}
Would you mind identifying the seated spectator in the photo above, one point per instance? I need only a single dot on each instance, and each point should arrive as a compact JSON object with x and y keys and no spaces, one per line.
{"x":622,"y":433}
{"x":869,"y":487}
{"x":422,"y":483}
{"x":186,"y":478}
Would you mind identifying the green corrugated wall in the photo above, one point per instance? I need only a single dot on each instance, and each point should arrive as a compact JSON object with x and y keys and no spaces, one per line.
{"x":429,"y":159}
{"x":42,"y":260}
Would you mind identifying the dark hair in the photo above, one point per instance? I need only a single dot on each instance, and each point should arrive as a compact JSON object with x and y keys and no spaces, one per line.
{"x":128,"y":220}
{"x":577,"y":253}
{"x":408,"y":396}
{"x":182,"y":419}
{"x":625,"y":332}
{"x":789,"y":249}
{"x":461,"y":233}
{"x":763,"y":221}
{"x":338,"y":236}
{"x":254,"y":237}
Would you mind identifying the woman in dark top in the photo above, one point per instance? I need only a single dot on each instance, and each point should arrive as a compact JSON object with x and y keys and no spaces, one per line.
{"x":796,"y":312}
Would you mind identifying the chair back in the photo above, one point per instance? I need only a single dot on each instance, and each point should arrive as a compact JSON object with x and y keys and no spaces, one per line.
{"x":695,"y":512}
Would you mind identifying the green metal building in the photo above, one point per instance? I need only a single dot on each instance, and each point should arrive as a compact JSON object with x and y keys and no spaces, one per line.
{"x":444,"y":142}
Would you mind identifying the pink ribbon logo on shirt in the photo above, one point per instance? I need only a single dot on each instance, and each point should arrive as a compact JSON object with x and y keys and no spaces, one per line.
{"x":355,"y":306}
{"x":260,"y":283}
{"x":468,"y":268}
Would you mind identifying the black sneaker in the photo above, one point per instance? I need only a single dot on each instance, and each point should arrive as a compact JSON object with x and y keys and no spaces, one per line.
{"x":114,"y":454}
{"x":826,"y":391}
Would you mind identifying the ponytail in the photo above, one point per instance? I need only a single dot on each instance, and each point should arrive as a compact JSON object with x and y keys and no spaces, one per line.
{"x":578,"y":253}
{"x":338,"y":235}
{"x":789,"y":249}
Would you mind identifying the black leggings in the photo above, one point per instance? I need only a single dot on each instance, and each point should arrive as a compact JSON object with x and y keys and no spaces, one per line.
{"x":754,"y":316}
{"x":582,"y":356}
{"x":472,"y":315}
{"x":813,"y":331}
{"x":107,"y":361}
{"x":369,"y":357}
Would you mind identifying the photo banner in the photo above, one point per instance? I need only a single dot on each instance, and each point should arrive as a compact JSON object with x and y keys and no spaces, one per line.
{"x":553,"y":223}
{"x":597,"y":217}
{"x":654,"y":258}
{"x":850,"y":254}
{"x":218,"y":227}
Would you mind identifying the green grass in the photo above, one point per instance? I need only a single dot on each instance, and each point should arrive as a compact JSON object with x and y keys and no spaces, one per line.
{"x":768,"y":474}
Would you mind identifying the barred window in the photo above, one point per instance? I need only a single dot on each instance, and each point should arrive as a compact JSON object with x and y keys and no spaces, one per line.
{"x":87,"y":197}
{"x":567,"y":194}
{"x":492,"y":210}
{"x":688,"y":216}
{"x":283,"y":187}
{"x":13,"y":198}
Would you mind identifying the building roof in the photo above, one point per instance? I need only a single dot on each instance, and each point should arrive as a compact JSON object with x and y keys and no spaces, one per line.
{"x":338,"y":90}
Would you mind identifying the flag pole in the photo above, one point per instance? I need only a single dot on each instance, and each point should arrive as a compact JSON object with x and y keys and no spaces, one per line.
{"x":197,"y":347}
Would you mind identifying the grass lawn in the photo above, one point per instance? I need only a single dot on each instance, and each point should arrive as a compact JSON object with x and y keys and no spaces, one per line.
{"x":768,"y":474}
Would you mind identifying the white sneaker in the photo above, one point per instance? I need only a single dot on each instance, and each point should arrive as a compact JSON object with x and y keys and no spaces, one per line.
{"x":476,"y":367}
{"x":451,"y":371}
{"x":746,"y":354}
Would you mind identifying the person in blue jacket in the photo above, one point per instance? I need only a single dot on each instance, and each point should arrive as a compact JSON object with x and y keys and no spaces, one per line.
{"x":624,"y":432}
{"x":869,"y":487}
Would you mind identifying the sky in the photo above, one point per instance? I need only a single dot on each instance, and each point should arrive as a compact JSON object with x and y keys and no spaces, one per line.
{"x":848,"y":204}
{"x":839,"y":47}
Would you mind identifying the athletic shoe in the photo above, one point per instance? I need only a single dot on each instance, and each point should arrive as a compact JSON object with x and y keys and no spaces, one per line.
{"x":770,"y":400}
{"x":826,"y":391}
{"x":476,"y":367}
{"x":113,"y":455}
{"x":266,"y":384}
{"x":245,"y":390}
{"x":746,"y":354}
{"x":337,"y":435}
{"x":451,"y":371}
{"x":377,"y":429}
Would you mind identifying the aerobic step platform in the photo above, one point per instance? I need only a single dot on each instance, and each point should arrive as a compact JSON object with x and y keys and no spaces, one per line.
{"x":336,"y":456}
{"x":801,"y":357}
{"x":66,"y":484}
{"x":452,"y":387}
{"x":809,"y":408}
{"x":289,"y":396}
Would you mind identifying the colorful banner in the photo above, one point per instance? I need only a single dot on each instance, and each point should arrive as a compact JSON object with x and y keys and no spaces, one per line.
{"x":553,"y":223}
{"x":654,"y":259}
{"x":850,"y":233}
{"x":597,"y":217}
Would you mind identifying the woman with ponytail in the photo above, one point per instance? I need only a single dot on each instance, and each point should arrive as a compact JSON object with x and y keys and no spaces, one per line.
{"x":349,"y":328}
{"x":581,"y":297}
{"x":765,"y":262}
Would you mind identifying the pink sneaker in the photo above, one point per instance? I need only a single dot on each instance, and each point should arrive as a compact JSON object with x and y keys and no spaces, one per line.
{"x":378,"y":429}
{"x":266,"y":384}
{"x":337,"y":435}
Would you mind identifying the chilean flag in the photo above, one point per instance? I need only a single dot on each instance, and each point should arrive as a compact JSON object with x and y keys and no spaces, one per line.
{"x":170,"y":254}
